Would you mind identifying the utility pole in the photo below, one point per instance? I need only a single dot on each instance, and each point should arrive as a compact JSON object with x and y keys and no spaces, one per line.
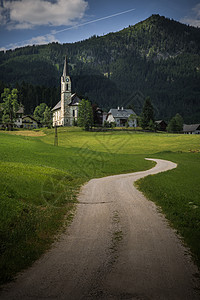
{"x":56,"y":136}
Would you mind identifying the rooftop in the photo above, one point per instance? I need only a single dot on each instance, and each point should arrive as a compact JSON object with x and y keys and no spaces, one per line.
{"x":74,"y":101}
{"x":121,"y":113}
{"x":191,"y":128}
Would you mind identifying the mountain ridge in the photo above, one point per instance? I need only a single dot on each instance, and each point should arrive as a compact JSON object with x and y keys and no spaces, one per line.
{"x":157,"y":57}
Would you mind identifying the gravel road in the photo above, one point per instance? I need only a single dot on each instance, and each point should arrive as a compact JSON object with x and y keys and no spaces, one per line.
{"x":119,"y":246}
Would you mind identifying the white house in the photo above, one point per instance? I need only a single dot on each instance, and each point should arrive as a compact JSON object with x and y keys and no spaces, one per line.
{"x":66,"y":110}
{"x":191,"y":129}
{"x":121,"y":117}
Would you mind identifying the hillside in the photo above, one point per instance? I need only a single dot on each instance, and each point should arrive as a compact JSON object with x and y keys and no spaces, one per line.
{"x":158,"y":57}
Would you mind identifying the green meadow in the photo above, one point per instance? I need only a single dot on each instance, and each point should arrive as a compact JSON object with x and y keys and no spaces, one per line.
{"x":39,"y":184}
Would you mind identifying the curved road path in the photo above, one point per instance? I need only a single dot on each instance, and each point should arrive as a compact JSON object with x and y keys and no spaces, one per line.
{"x":118,"y":247}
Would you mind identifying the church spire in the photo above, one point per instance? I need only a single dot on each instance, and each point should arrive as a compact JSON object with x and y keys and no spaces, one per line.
{"x":65,"y":69}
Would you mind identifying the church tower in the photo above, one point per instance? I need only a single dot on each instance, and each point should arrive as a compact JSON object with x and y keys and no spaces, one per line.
{"x":65,"y":95}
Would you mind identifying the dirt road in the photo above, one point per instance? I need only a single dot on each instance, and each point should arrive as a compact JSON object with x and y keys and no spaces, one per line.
{"x":118,"y":247}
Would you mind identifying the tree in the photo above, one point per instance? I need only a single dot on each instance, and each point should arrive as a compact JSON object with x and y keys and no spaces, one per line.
{"x":132,"y":119}
{"x":179,"y":122}
{"x":106,"y":124}
{"x":39,"y":112}
{"x":47,"y":120}
{"x":85,"y":116}
{"x":10,"y":106}
{"x":152,"y":125}
{"x":97,"y":115}
{"x":175,"y":124}
{"x":147,"y":113}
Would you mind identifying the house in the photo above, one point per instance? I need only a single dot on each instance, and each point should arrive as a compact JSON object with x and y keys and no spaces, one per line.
{"x":19,"y":116}
{"x":29,"y":122}
{"x":191,"y":129}
{"x":66,"y":110}
{"x":121,"y":117}
{"x":97,"y":115}
{"x":161,"y":125}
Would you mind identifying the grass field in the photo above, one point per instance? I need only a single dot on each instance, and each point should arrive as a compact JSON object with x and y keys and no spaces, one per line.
{"x":39,"y":183}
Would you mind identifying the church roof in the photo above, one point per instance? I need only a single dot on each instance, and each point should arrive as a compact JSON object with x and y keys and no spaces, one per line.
{"x":65,"y":69}
{"x":57,"y":106}
{"x":74,"y":101}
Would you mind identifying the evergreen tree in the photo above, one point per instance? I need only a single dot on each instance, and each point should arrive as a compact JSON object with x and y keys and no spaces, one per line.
{"x":10,"y":107}
{"x":85,"y":116}
{"x":179,"y":122}
{"x":147,"y":114}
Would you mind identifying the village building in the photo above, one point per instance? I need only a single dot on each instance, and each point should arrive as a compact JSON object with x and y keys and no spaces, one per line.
{"x":121,"y":116}
{"x":29,"y":122}
{"x":161,"y":125}
{"x":191,"y":129}
{"x":65,"y":113}
{"x":25,"y":121}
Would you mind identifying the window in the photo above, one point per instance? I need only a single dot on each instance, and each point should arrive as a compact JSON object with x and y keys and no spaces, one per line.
{"x":73,"y":113}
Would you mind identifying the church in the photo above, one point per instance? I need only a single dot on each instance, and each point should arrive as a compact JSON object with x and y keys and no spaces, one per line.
{"x":65,"y":112}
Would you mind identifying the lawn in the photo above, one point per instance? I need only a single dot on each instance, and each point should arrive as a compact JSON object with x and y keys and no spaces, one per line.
{"x":39,"y":183}
{"x":178,"y":194}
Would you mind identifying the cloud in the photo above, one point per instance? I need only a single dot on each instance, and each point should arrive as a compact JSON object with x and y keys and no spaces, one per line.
{"x":194,"y":17}
{"x":49,"y":38}
{"x":3,"y":49}
{"x":24,"y":14}
{"x":3,"y":16}
{"x":38,"y":40}
{"x":43,"y":39}
{"x":196,"y":10}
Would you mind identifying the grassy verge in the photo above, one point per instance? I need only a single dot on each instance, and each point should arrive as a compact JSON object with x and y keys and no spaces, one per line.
{"x":178,"y":194}
{"x":39,"y":182}
{"x":33,"y":203}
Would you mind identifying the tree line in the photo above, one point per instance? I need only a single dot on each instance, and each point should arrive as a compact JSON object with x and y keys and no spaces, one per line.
{"x":87,"y":116}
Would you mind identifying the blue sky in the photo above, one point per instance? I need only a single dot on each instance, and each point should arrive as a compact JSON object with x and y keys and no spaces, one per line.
{"x":28,"y":22}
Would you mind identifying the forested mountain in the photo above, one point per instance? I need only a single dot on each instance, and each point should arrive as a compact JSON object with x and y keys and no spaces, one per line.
{"x":158,"y":57}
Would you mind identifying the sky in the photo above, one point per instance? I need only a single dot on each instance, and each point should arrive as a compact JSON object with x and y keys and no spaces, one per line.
{"x":28,"y":22}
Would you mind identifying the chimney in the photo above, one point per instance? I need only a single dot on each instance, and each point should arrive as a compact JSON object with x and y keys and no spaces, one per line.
{"x":122,"y":108}
{"x":118,"y":108}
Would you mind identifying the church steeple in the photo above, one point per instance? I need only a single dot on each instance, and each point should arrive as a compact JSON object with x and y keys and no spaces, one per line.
{"x":65,"y":95}
{"x":65,"y":79}
{"x":65,"y":69}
